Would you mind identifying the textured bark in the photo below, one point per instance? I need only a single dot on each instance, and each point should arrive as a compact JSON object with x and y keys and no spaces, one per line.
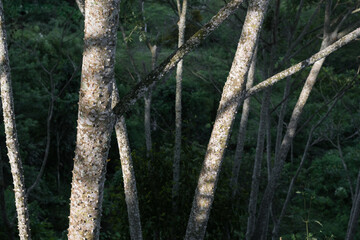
{"x":127,"y":168}
{"x":179,"y":71}
{"x":12,"y":143}
{"x":230,"y":99}
{"x":141,"y":88}
{"x":95,"y":118}
{"x":289,"y":135}
{"x":239,"y":152}
{"x":257,"y":165}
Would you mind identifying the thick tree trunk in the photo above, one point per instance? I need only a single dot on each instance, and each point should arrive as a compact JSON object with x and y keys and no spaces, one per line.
{"x":204,"y":194}
{"x":179,"y":71}
{"x":12,"y":143}
{"x":95,"y":118}
{"x":127,"y":168}
{"x":257,"y":165}
{"x":239,"y":152}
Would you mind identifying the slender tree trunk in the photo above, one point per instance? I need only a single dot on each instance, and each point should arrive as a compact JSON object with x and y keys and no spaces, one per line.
{"x":179,"y":71}
{"x":354,"y":214}
{"x":289,"y":135}
{"x":239,"y":152}
{"x":276,"y":228}
{"x":280,"y":125}
{"x":12,"y":143}
{"x":130,"y":190}
{"x":204,"y":194}
{"x":95,"y":119}
{"x":167,"y":65}
{"x":257,"y":164}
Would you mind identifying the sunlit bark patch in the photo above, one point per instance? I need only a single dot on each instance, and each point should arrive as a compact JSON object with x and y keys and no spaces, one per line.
{"x":95,"y":118}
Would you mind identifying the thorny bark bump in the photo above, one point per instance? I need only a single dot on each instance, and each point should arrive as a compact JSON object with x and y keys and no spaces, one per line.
{"x":179,"y":71}
{"x":239,"y":152}
{"x":12,"y":143}
{"x":95,"y":118}
{"x":141,"y":88}
{"x":230,"y":100}
{"x":127,"y":168}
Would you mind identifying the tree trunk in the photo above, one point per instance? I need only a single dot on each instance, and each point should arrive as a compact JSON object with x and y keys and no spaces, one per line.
{"x":12,"y":143}
{"x":204,"y":194}
{"x":257,"y":165}
{"x":142,"y":87}
{"x":354,"y":214}
{"x":179,"y":71}
{"x":127,"y":168}
{"x":276,"y":228}
{"x":289,"y":135}
{"x":239,"y":152}
{"x":95,"y":119}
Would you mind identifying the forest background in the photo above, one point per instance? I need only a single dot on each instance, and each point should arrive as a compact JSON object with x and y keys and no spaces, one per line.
{"x":45,"y":40}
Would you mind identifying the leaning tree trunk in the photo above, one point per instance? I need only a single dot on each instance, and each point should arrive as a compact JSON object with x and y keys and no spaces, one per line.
{"x":204,"y":194}
{"x":255,"y":183}
{"x":127,"y":168}
{"x":289,"y":135}
{"x":179,"y":72}
{"x":12,"y":143}
{"x":95,"y":118}
{"x":239,"y":152}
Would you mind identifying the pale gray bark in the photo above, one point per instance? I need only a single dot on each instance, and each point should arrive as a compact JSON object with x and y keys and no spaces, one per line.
{"x":95,"y":119}
{"x":257,"y":164}
{"x":12,"y":143}
{"x":127,"y":168}
{"x":141,"y":88}
{"x":230,"y":99}
{"x":301,"y":65}
{"x":179,"y":72}
{"x":239,"y":152}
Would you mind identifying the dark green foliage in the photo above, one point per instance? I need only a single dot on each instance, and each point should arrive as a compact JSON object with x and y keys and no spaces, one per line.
{"x":47,"y":35}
